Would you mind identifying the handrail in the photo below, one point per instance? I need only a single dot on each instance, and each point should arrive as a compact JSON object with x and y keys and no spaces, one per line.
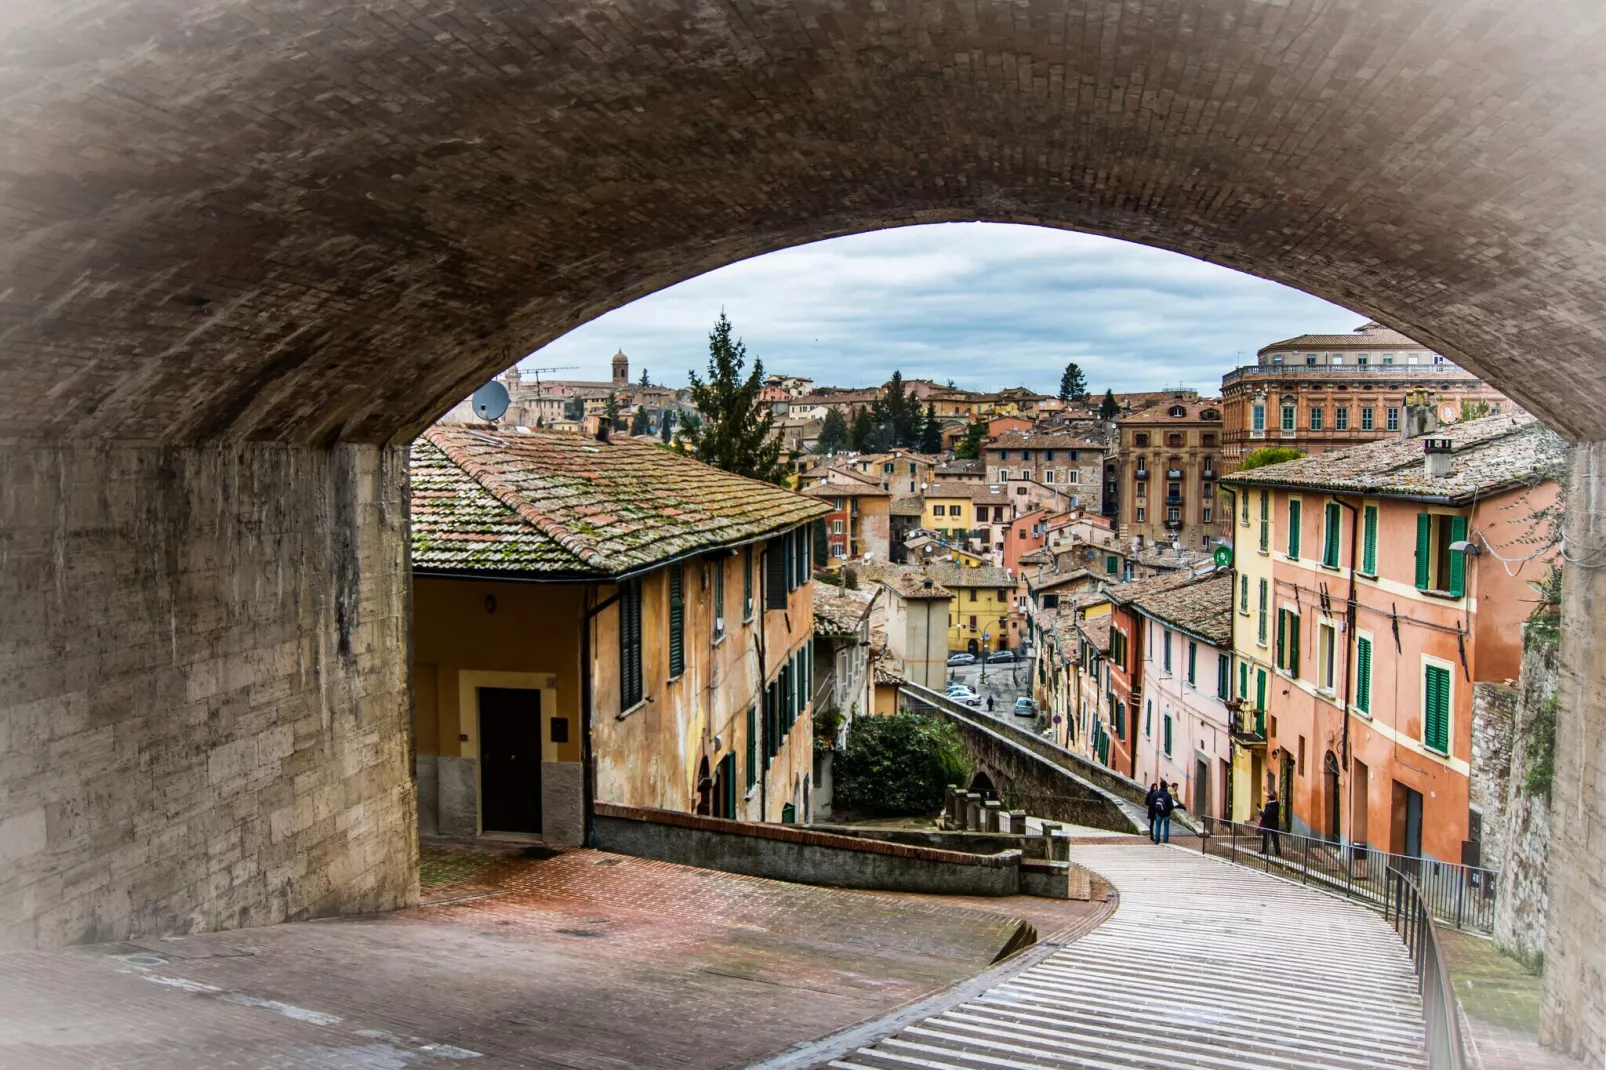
{"x":1408,"y":912}
{"x":1462,"y":897}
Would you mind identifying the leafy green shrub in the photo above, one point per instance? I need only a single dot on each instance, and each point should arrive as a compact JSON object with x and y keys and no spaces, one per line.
{"x":1269,"y":455}
{"x":899,"y":764}
{"x":1541,"y":732}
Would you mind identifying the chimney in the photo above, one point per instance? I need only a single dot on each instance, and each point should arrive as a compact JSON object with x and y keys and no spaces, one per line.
{"x":603,"y":427}
{"x":1421,"y":418}
{"x":1436,"y":457}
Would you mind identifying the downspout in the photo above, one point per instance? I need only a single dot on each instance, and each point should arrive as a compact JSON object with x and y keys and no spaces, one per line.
{"x":588,"y":772}
{"x":1349,"y":663}
{"x":762,"y":610}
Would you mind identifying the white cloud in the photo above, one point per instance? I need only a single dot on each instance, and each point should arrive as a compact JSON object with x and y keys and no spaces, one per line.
{"x":987,"y":305}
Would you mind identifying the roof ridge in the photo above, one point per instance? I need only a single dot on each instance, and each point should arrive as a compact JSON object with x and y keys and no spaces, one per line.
{"x":573,"y":542}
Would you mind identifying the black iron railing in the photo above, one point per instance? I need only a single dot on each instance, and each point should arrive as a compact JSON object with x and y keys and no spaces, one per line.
{"x":1462,"y":897}
{"x":1407,"y":910}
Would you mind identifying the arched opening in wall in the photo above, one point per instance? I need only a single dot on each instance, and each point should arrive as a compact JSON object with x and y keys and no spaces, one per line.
{"x":983,"y":785}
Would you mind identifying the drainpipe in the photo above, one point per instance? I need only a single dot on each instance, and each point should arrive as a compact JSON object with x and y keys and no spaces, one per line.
{"x":588,"y":773}
{"x":763,"y":692}
{"x":1349,"y":663}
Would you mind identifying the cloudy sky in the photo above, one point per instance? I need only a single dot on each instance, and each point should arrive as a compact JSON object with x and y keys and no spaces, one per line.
{"x":986,"y":305}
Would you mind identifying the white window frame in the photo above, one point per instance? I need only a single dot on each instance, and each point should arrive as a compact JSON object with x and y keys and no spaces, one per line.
{"x":1448,"y":755}
{"x":1327,"y":656}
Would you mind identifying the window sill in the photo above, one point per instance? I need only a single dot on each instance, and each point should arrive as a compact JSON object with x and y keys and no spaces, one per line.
{"x":1434,"y":752}
{"x":1366,"y":575}
{"x":622,"y":714}
{"x":1442,"y":595}
{"x":720,"y":639}
{"x":1331,"y":568}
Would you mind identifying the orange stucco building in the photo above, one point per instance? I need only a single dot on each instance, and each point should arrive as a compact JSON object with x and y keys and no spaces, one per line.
{"x":1377,"y":584}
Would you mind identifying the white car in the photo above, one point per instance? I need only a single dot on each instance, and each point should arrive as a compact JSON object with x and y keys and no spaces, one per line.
{"x":961,"y":693}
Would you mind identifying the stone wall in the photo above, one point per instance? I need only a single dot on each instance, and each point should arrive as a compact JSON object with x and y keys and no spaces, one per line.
{"x":1494,"y":709}
{"x":1573,"y":1013}
{"x":1519,"y":923}
{"x":203,"y":688}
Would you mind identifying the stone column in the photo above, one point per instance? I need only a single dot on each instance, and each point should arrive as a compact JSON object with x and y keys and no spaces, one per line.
{"x":1573,"y":1012}
{"x":991,"y":810}
{"x":204,"y":717}
{"x":1059,"y":846}
{"x":973,"y":811}
{"x":1017,"y":822}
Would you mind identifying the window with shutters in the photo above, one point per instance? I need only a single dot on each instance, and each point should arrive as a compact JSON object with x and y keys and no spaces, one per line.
{"x":1436,"y":708}
{"x":1148,"y":719}
{"x":1193,"y":663}
{"x":1288,"y":641}
{"x":1243,"y":680}
{"x":1363,"y":674}
{"x":1367,"y":417}
{"x":677,"y":621}
{"x":719,"y":598}
{"x":1264,"y":598}
{"x":1316,"y":418}
{"x":752,"y":748}
{"x":1439,"y":568}
{"x":1223,"y":677}
{"x":1112,"y":564}
{"x":1166,"y":646}
{"x":1369,"y":540}
{"x":1392,"y":416}
{"x":1243,"y":595}
{"x":1243,"y":502}
{"x":630,"y":688}
{"x":1260,"y":689}
{"x":1326,"y":655}
{"x":775,"y":567}
{"x":1293,"y":528}
{"x":1341,"y":418}
{"x":1331,"y":535}
{"x":1166,"y":725}
{"x":772,"y":720}
{"x":1265,"y":521}
{"x":747,"y":582}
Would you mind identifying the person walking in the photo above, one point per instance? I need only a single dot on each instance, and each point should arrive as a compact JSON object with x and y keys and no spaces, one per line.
{"x":1148,"y":803}
{"x":989,"y":704}
{"x":1164,"y":803}
{"x":1269,"y":820}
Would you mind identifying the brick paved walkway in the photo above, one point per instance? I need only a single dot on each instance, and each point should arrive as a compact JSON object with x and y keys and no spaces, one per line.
{"x":580,"y":960}
{"x":1501,"y":1001}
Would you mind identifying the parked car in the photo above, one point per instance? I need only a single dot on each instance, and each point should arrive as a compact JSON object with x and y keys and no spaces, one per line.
{"x":1001,"y":655}
{"x":961,"y":693}
{"x":1025,"y":707}
{"x":962,"y":659}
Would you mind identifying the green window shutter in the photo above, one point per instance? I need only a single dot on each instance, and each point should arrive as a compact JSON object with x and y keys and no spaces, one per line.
{"x":1168,"y":733}
{"x":630,"y":688}
{"x":775,"y":574}
{"x":1265,"y":521}
{"x":1458,"y":560}
{"x":1223,"y":677}
{"x":752,"y":748}
{"x":1110,"y":564}
{"x":1330,"y":550}
{"x":1424,"y":543}
{"x":1193,"y":661}
{"x":677,"y":621}
{"x":1363,"y":675}
{"x":1293,"y":530}
{"x":1293,"y":644}
{"x":747,"y":581}
{"x":1263,"y":611}
{"x":1243,"y":594}
{"x":1260,"y":689}
{"x":1436,"y":717}
{"x":1243,"y":679}
{"x":1369,"y":546}
{"x":771,"y":721}
{"x":1282,"y":640}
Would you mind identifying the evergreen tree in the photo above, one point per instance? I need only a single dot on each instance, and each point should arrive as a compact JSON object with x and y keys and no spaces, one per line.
{"x":644,"y":380}
{"x":666,"y":425}
{"x":1109,"y":408}
{"x":860,"y":430}
{"x":834,"y":434}
{"x":969,"y":448}
{"x":931,"y":433}
{"x":641,"y":423}
{"x":1073,"y":384}
{"x":611,"y":414}
{"x":738,"y":435}
{"x":574,"y":409}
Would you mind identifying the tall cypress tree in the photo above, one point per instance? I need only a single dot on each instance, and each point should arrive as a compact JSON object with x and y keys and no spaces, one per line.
{"x":931,"y":432}
{"x":1109,"y":408}
{"x":640,"y":423}
{"x":736,"y":432}
{"x":1073,"y":384}
{"x":861,"y":430}
{"x":833,"y":434}
{"x":969,"y":448}
{"x":666,"y":425}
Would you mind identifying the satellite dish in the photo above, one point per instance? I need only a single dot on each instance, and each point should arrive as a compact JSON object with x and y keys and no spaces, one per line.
{"x":490,"y":400}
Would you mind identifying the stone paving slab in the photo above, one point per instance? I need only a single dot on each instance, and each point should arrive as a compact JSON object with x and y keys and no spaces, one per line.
{"x":1500,"y":999}
{"x":581,"y":960}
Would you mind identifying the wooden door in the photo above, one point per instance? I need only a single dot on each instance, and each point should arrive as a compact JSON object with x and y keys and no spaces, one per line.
{"x":510,"y":759}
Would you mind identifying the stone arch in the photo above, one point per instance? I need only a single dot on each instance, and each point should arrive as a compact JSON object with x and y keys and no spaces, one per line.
{"x":983,"y":783}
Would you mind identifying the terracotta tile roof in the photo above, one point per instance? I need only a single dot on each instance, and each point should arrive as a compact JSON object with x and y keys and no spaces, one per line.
{"x":846,"y":490}
{"x":838,"y":612}
{"x":1059,"y":579}
{"x":1160,"y":411}
{"x":966,"y":468}
{"x":908,"y":507}
{"x":1097,"y":632}
{"x":1203,"y":607}
{"x":1369,"y":336}
{"x":1167,"y":557}
{"x":1487,"y":455}
{"x":1016,"y":440}
{"x":980,"y":576}
{"x":888,"y":669}
{"x":1127,"y":593}
{"x":911,"y":584}
{"x":559,"y":504}
{"x":978,"y":493}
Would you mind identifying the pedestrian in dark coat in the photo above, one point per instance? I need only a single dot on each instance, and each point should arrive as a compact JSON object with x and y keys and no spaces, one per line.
{"x":1148,"y":804}
{"x":1270,"y":819}
{"x":1160,"y":824}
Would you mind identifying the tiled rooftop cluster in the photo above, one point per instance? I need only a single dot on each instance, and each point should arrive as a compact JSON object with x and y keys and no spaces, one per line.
{"x":555,"y":503}
{"x":1487,"y":454}
{"x":1203,"y":607}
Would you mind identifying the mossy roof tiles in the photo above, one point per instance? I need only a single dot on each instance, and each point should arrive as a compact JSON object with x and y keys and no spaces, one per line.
{"x":555,"y":504}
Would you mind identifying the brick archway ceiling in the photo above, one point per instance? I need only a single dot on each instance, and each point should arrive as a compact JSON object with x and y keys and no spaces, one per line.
{"x":313,"y":220}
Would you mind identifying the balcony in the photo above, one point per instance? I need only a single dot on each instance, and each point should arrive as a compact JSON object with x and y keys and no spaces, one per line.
{"x":1173,"y":525}
{"x":1248,"y":725}
{"x":1141,"y":473}
{"x":1173,"y":499}
{"x":1173,"y":473}
{"x":1346,"y":371}
{"x":1208,"y":474}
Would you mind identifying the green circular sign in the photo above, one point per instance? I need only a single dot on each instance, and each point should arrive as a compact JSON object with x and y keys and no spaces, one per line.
{"x":1223,"y":556}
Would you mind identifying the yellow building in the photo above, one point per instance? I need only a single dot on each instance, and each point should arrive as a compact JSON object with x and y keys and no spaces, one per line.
{"x":577,"y":599}
{"x":1252,"y":668}
{"x":978,"y":611}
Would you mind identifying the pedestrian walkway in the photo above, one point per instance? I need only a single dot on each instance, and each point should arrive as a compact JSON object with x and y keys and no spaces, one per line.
{"x":1204,"y":964}
{"x":1501,"y":1003}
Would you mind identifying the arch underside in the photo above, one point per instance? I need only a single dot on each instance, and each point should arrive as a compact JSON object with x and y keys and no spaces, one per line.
{"x":309,"y":222}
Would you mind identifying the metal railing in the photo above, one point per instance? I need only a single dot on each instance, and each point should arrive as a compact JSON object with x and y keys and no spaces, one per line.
{"x":1408,"y":911}
{"x":1445,"y":370}
{"x":1459,"y":896}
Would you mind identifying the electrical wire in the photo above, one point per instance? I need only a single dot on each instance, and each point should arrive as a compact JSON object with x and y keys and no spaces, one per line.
{"x":1582,"y":564}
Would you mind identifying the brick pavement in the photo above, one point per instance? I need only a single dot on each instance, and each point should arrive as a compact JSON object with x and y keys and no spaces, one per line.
{"x":578,"y":959}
